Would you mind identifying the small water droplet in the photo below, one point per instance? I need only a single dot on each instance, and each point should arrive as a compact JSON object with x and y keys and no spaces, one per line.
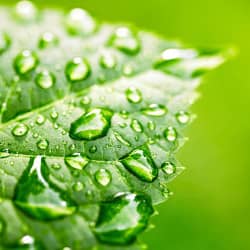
{"x":76,"y":161}
{"x":27,"y":240}
{"x":54,"y":115}
{"x":175,"y":54}
{"x":92,"y":125}
{"x":85,"y":100}
{"x":121,"y":139}
{"x":25,"y":62}
{"x":93,"y":149}
{"x":40,"y":119}
{"x":43,"y":144}
{"x":20,"y":130}
{"x":77,"y":69}
{"x":26,"y":11}
{"x":140,"y":163}
{"x":107,"y":60}
{"x":56,"y":166}
{"x":78,"y":186}
{"x":133,"y":95}
{"x":45,"y":79}
{"x":155,"y":110}
{"x":125,"y":40}
{"x":168,"y":168}
{"x":4,"y":42}
{"x":151,"y":125}
{"x":170,"y":134}
{"x":124,"y":114}
{"x":121,"y":219}
{"x":103,"y":177}
{"x":183,"y":117}
{"x":48,"y":39}
{"x":136,"y":126}
{"x":80,"y":22}
{"x":128,"y":70}
{"x":4,"y":154}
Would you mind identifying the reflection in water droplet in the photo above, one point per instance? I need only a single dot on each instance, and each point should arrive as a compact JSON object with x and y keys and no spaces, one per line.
{"x":26,"y":11}
{"x":168,"y":168}
{"x":155,"y":110}
{"x":25,"y":62}
{"x":123,"y":218}
{"x":170,"y":134}
{"x":80,"y":22}
{"x":174,"y":54}
{"x":76,"y":161}
{"x":37,"y":197}
{"x":20,"y":130}
{"x":140,"y":163}
{"x":136,"y":126}
{"x":48,"y":39}
{"x":43,"y":144}
{"x":92,"y":125}
{"x":125,"y":40}
{"x":107,"y":60}
{"x":77,"y":69}
{"x":103,"y":177}
{"x":133,"y":95}
{"x":27,"y":240}
{"x":4,"y":42}
{"x":45,"y":79}
{"x":183,"y":117}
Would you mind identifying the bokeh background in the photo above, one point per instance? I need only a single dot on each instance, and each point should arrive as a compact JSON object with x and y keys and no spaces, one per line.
{"x":211,"y":206}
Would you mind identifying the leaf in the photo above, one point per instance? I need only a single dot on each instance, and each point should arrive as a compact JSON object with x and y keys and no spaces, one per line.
{"x":91,"y":118}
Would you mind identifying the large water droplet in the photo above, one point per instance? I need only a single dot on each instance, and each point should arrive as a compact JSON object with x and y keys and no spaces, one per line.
{"x":125,"y":40}
{"x":170,"y":134}
{"x":20,"y":130}
{"x":107,"y":60}
{"x":76,"y":161}
{"x":168,"y":168}
{"x":37,"y":198}
{"x":92,"y":125}
{"x":183,"y":117}
{"x":42,"y":144}
{"x":26,"y":11}
{"x":155,"y":110}
{"x":136,"y":126}
{"x":48,"y":39}
{"x":4,"y":42}
{"x":133,"y":95}
{"x":80,"y":22}
{"x":77,"y":70}
{"x":103,"y":177}
{"x":140,"y":163}
{"x":121,"y":219}
{"x":25,"y":62}
{"x":45,"y":79}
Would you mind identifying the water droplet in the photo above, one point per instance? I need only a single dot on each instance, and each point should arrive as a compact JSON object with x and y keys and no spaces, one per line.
{"x":76,"y":161}
{"x":168,"y":168}
{"x":107,"y":60}
{"x":25,"y":62}
{"x":77,"y":70}
{"x":48,"y":39}
{"x":155,"y":110}
{"x":136,"y":126}
{"x":93,"y":149}
{"x":121,"y":219}
{"x":103,"y":177}
{"x":26,"y":11}
{"x":128,"y":70}
{"x":4,"y":42}
{"x":4,"y":154}
{"x":183,"y":117}
{"x":40,"y":119}
{"x":124,"y":114}
{"x":20,"y":130}
{"x":45,"y":79}
{"x":133,"y":95}
{"x":140,"y":163}
{"x":54,"y":115}
{"x":121,"y":139}
{"x":56,"y":166}
{"x":151,"y":125}
{"x":85,"y":100}
{"x":78,"y":186}
{"x":170,"y":134}
{"x":92,"y":125}
{"x":80,"y":22}
{"x":125,"y":40}
{"x":27,"y":240}
{"x":43,"y":144}
{"x":37,"y":197}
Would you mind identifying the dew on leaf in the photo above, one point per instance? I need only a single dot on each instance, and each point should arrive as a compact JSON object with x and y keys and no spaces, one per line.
{"x":151,"y":125}
{"x":170,"y":134}
{"x":20,"y":130}
{"x":136,"y":126}
{"x":107,"y":60}
{"x":128,"y":70}
{"x":26,"y":11}
{"x":54,"y":115}
{"x":155,"y":110}
{"x":27,"y":240}
{"x":40,"y":119}
{"x":80,"y":22}
{"x":122,"y":218}
{"x":77,"y":69}
{"x":36,"y":196}
{"x":78,"y":186}
{"x":76,"y":161}
{"x":45,"y":79}
{"x":47,"y":40}
{"x":85,"y":100}
{"x":103,"y":177}
{"x":140,"y":163}
{"x":93,"y":149}
{"x":42,"y":144}
{"x":4,"y":42}
{"x":4,"y":154}
{"x":25,"y":62}
{"x":56,"y":166}
{"x":168,"y":168}
{"x":121,"y":139}
{"x":183,"y":117}
{"x":92,"y":125}
{"x":133,"y":95}
{"x":125,"y":40}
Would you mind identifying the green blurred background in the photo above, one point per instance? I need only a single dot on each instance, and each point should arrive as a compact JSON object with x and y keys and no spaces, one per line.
{"x":211,"y":206}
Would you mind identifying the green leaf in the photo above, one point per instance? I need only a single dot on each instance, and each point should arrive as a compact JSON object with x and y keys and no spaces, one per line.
{"x":91,"y":116}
